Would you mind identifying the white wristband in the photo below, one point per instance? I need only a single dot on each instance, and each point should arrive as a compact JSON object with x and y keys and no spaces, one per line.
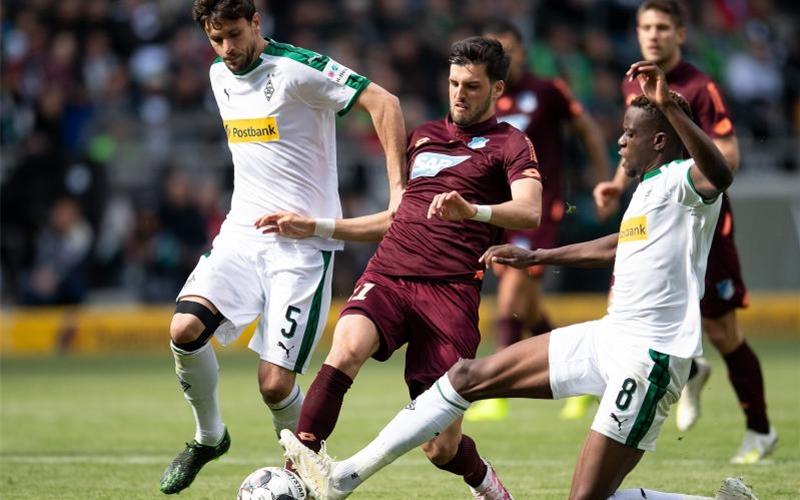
{"x":483,"y":213}
{"x":324,"y":228}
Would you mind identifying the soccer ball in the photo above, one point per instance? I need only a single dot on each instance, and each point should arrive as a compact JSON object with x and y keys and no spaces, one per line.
{"x":272,"y":483}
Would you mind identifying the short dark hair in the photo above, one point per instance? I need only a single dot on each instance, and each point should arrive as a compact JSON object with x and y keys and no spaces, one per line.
{"x":661,"y":122}
{"x":500,"y":27}
{"x":672,"y":8}
{"x":479,"y":50}
{"x":206,"y":12}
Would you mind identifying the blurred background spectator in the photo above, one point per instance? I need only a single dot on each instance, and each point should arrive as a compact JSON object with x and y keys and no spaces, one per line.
{"x":116,"y":175}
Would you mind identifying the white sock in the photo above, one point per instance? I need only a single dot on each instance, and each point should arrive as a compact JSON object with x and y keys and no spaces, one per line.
{"x":286,"y":413}
{"x":422,"y":420}
{"x":641,"y":494}
{"x":198,"y":372}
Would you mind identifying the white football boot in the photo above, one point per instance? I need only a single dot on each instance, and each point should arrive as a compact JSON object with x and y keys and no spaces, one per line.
{"x":733,"y":488}
{"x":756,"y":446}
{"x":688,"y":410}
{"x":315,"y":469}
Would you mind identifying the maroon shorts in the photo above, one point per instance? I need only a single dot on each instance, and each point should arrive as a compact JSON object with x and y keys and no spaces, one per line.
{"x":725,"y":289}
{"x":437,"y":319}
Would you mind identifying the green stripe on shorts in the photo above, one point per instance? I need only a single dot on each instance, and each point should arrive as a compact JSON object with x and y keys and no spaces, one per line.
{"x":659,"y":381}
{"x":313,"y":316}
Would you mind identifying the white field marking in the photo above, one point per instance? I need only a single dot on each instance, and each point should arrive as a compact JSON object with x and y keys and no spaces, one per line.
{"x":405,"y":462}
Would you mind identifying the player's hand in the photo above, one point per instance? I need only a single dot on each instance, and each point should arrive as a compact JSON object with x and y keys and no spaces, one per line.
{"x":451,"y":206}
{"x":509,"y":255}
{"x":606,"y":199}
{"x":395,"y":197}
{"x":287,"y":224}
{"x":652,"y":80}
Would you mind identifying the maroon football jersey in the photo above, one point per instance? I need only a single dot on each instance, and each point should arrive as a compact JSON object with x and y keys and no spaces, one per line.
{"x":540,"y":108}
{"x":704,"y":98}
{"x":480,"y":162}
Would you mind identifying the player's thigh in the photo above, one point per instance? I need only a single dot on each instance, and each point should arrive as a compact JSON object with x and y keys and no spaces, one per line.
{"x":520,"y":370}
{"x":513,"y":292}
{"x":227,"y":280}
{"x":442,"y":328}
{"x":602,"y":465}
{"x":642,"y":384}
{"x":355,"y":339}
{"x":298,"y":285}
{"x":573,"y":359}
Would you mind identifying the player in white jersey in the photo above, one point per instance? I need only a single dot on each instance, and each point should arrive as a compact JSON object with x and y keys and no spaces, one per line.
{"x":278,"y":105}
{"x":636,"y":358}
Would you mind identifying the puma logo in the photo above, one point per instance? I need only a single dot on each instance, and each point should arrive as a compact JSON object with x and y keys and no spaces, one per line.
{"x":287,"y":349}
{"x":306,"y":436}
{"x":618,"y":421}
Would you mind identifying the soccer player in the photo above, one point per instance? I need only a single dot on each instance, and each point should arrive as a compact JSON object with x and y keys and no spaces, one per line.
{"x":636,"y":358}
{"x":278,"y":104}
{"x":470,"y":176}
{"x":542,"y":109}
{"x":661,"y":32}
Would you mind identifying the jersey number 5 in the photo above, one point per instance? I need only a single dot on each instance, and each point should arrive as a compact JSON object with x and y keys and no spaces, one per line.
{"x":291,"y":310}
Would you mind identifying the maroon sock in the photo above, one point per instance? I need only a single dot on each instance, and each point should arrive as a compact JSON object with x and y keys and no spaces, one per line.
{"x":541,"y":326}
{"x":467,"y":463}
{"x":744,"y":372}
{"x":509,"y":330}
{"x":322,"y":406}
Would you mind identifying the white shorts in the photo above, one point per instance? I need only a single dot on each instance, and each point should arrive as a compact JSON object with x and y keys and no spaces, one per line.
{"x":636,"y":384}
{"x":287,"y":283}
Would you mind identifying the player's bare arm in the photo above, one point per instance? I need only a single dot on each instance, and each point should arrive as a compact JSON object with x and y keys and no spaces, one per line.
{"x":710,"y":173}
{"x":589,"y":133}
{"x":368,"y":228}
{"x":387,"y":117}
{"x":523,"y":211}
{"x":729,"y":147}
{"x":597,"y":253}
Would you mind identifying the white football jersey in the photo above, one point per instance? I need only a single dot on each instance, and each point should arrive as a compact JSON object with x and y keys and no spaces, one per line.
{"x":660,"y":266}
{"x":279,"y":117}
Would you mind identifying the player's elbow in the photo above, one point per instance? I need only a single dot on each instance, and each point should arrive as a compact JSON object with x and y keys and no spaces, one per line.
{"x":724,"y":178}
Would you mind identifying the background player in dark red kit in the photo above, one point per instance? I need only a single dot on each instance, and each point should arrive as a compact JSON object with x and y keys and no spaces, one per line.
{"x":661,"y":32}
{"x":469,"y":177}
{"x":543,"y":109}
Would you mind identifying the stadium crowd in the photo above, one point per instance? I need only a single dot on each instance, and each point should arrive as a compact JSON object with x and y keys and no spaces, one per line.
{"x":115,"y":171}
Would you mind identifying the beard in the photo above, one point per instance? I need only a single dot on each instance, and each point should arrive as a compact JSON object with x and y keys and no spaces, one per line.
{"x":471,"y":117}
{"x":247,"y":59}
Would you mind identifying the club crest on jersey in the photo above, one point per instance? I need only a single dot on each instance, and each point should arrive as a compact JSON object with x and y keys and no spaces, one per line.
{"x":430,"y":164}
{"x":477,"y":142}
{"x":269,"y":90}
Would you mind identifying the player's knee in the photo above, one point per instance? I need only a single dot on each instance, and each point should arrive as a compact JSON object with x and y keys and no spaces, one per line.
{"x":185,"y":329}
{"x":464,"y":376}
{"x":193,"y":325}
{"x":275,"y":389}
{"x":440,"y":451}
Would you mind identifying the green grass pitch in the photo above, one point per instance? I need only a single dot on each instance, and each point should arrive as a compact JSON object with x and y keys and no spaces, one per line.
{"x":104,"y":428}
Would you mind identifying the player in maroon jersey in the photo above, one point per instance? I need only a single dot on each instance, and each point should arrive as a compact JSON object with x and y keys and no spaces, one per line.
{"x":542,"y":108}
{"x":661,"y":32}
{"x":470,"y":176}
